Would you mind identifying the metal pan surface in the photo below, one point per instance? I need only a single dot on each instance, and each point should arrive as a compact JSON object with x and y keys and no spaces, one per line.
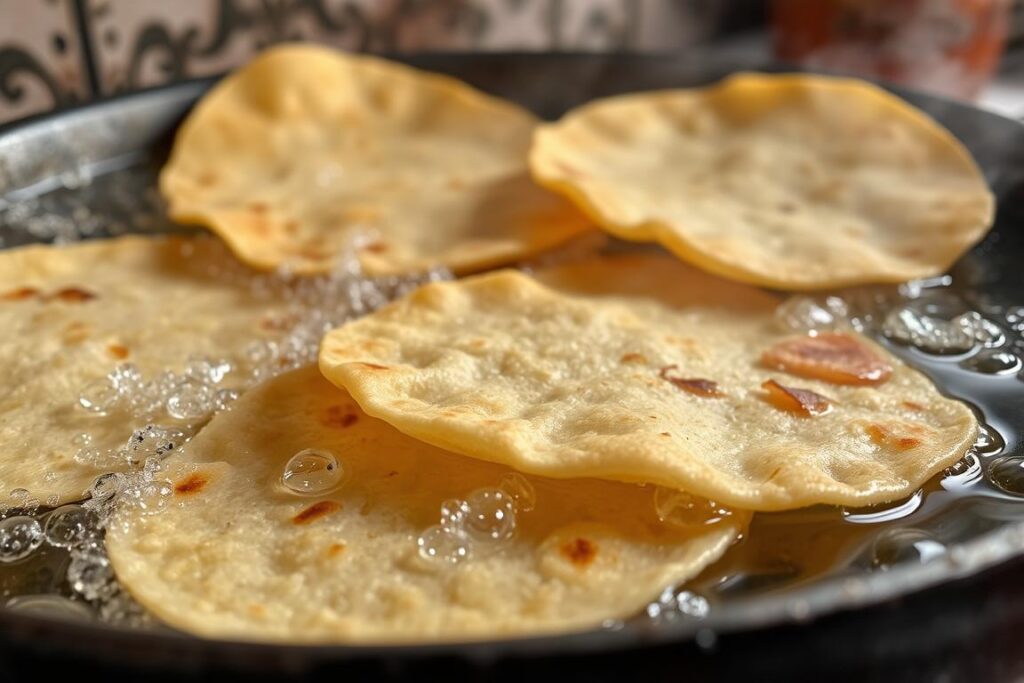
{"x":91,"y":170}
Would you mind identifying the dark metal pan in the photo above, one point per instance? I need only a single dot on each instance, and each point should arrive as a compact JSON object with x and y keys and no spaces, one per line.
{"x":92,"y":169}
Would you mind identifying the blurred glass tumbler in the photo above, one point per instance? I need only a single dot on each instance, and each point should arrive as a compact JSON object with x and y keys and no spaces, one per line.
{"x":950,"y":47}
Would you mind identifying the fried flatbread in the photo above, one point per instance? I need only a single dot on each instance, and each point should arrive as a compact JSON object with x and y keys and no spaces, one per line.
{"x":306,"y":152}
{"x":239,"y":555}
{"x":795,"y":182}
{"x":639,"y":368}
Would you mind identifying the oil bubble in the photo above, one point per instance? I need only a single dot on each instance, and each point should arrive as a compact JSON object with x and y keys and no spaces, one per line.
{"x":806,"y":314}
{"x":521,"y":490}
{"x":682,"y":509}
{"x":933,"y":335}
{"x":149,"y":497}
{"x":443,"y":546}
{"x":70,"y":526}
{"x":1008,"y":474}
{"x":673,"y":604}
{"x":106,"y":486}
{"x":993,"y":363}
{"x":490,"y":515}
{"x":49,"y":605}
{"x":988,"y":441}
{"x":191,"y":400}
{"x":99,"y":396}
{"x":453,"y":514}
{"x":90,"y":575}
{"x":208,"y":371}
{"x":898,"y":546}
{"x":312,"y":471}
{"x":19,"y":536}
{"x":150,"y":441}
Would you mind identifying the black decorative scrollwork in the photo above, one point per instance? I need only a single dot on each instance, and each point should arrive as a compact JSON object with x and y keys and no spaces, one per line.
{"x":17,"y":64}
{"x":270,"y":18}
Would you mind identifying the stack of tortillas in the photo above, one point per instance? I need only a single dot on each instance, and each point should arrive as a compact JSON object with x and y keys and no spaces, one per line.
{"x":509,"y":453}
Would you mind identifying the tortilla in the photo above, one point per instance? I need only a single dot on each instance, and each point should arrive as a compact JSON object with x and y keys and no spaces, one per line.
{"x":307,"y":151}
{"x":796,"y":182}
{"x":72,"y":314}
{"x":240,"y":556}
{"x":639,"y":368}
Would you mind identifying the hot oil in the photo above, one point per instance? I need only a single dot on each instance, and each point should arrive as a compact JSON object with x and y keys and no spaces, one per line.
{"x":971,"y":355}
{"x":783,"y":553}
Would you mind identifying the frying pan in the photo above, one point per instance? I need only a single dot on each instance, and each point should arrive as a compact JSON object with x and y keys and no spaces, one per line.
{"x":91,"y":170}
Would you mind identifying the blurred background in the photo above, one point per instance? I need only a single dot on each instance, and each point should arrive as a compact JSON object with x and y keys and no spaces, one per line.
{"x":56,"y":53}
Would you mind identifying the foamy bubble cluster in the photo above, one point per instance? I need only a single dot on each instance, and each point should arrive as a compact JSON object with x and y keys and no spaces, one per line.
{"x":484,"y":519}
{"x":90,"y":574}
{"x":937,"y":335}
{"x":317,"y":306}
{"x":189,"y":397}
{"x":672,"y":605}
{"x":925,"y":314}
{"x":144,"y":444}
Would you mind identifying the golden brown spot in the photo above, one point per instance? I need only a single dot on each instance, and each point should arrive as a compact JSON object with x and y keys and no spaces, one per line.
{"x":73,"y":295}
{"x":376,"y":247}
{"x":579,"y":551}
{"x":335,"y":549}
{"x":312,"y":253}
{"x":887,"y":439}
{"x":787,"y":207}
{"x":374,"y":366}
{"x":259,"y":207}
{"x":193,"y":483}
{"x":118,"y":351}
{"x":75,"y":332}
{"x":456,"y":183}
{"x":802,"y":402}
{"x":291,"y":226}
{"x":392,"y":473}
{"x":910,"y":405}
{"x":665,"y":434}
{"x":696,"y":386}
{"x":829,"y":357}
{"x":19,"y":294}
{"x":316,"y":511}
{"x":257,"y":611}
{"x":633,"y":358}
{"x":207,"y":179}
{"x":339,"y":417}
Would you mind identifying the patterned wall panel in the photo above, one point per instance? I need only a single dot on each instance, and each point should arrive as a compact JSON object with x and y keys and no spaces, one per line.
{"x":41,"y":61}
{"x":131,"y":44}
